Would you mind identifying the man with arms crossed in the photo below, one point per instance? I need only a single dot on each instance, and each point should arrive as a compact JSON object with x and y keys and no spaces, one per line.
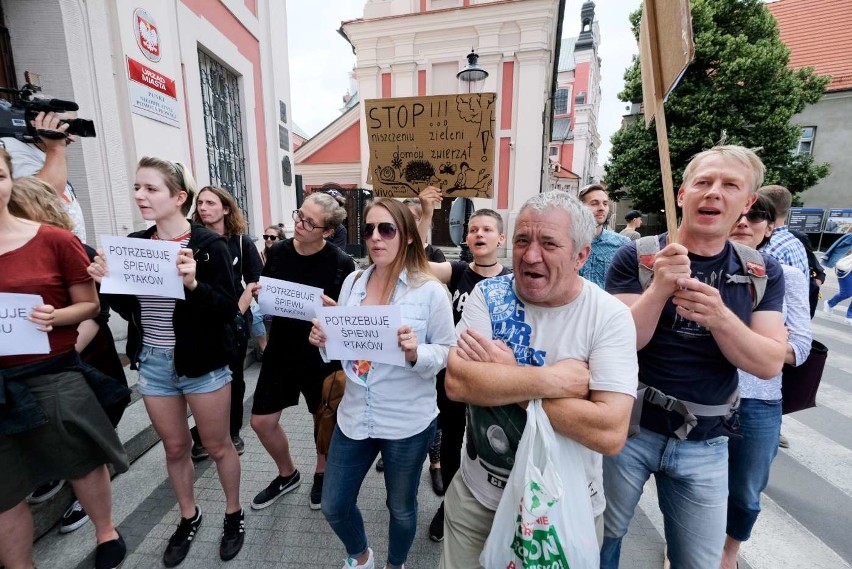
{"x":695,"y":325}
{"x":541,"y":333}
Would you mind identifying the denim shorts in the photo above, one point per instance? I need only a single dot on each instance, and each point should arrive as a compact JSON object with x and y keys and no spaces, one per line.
{"x":158,"y":378}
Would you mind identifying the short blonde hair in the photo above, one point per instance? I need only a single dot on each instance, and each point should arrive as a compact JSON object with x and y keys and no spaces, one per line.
{"x":35,"y":200}
{"x":743,"y":155}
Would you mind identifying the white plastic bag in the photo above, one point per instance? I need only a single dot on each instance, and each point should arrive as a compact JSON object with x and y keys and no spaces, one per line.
{"x":544,"y":520}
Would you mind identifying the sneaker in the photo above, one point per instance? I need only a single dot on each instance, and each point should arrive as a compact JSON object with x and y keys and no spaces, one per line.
{"x":110,"y":554}
{"x":783,"y":442}
{"x":45,"y":492}
{"x":277,"y":488}
{"x":848,"y":321}
{"x":352,"y":563}
{"x":437,"y":481}
{"x":181,"y":540}
{"x":198,"y":452}
{"x":826,"y":307}
{"x":74,"y":517}
{"x":316,"y":491}
{"x":239,"y":444}
{"x":233,"y":535}
{"x":436,"y":528}
{"x":380,"y":465}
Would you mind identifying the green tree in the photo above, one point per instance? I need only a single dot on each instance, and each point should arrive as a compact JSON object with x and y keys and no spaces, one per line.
{"x":738,"y":87}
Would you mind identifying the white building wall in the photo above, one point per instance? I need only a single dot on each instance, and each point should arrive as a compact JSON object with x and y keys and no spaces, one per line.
{"x":80,"y":49}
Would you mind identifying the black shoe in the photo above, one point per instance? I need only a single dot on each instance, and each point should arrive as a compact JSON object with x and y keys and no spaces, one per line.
{"x":198,"y":452}
{"x":437,"y":481}
{"x":277,"y":488}
{"x":380,"y":465}
{"x":436,"y":528}
{"x":45,"y":492}
{"x":74,"y":517}
{"x":233,"y":535}
{"x":110,"y":554}
{"x":239,"y":444}
{"x":316,"y":491}
{"x":181,"y":540}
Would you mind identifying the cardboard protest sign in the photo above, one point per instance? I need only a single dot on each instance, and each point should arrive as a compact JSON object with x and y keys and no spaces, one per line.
{"x":445,"y":141}
{"x":141,"y":267}
{"x":665,"y":50}
{"x":362,"y":333}
{"x":287,"y":299}
{"x":19,"y":336}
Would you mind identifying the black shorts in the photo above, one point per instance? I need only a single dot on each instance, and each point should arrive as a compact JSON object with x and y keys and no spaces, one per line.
{"x":279,"y":388}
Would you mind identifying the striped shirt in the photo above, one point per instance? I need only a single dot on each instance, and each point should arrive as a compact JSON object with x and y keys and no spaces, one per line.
{"x":157,"y":325}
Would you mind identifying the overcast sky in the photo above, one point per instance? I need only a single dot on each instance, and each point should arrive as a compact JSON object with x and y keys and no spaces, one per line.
{"x":320,"y":59}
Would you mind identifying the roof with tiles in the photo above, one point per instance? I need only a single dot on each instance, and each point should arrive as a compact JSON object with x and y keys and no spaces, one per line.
{"x":818,"y":34}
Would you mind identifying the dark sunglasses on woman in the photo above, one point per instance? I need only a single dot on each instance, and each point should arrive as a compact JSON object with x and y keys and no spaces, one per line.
{"x":756,"y":216}
{"x":386,"y":229}
{"x":270,"y":237}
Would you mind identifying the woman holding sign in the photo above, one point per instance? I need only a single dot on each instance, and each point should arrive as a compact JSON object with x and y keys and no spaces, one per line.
{"x":52,"y":426}
{"x":182,"y":349}
{"x":387,"y":408}
{"x":291,"y":365}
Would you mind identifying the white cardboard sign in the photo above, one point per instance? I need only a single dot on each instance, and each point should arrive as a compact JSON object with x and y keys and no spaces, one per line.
{"x":141,"y":267}
{"x":19,"y":336}
{"x":362,"y":333}
{"x":287,"y":299}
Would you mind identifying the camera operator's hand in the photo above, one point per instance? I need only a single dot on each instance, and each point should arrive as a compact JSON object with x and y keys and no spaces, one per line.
{"x":51,"y":132}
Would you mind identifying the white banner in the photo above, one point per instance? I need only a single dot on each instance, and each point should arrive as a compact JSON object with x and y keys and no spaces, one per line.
{"x":288,"y":299}
{"x":362,"y":333}
{"x":141,"y":267}
{"x":19,"y":336}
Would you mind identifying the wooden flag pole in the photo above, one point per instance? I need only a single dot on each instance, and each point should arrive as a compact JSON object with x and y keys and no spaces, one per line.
{"x":660,"y":123}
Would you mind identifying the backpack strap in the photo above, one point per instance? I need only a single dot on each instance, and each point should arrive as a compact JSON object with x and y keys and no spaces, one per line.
{"x":755,"y":269}
{"x":646,"y":253}
{"x":687,"y":409}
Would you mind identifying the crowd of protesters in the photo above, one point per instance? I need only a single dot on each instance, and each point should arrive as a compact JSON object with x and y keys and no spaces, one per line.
{"x":606,"y":330}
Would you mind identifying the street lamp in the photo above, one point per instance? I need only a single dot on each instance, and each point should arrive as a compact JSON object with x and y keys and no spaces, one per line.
{"x":472,"y":77}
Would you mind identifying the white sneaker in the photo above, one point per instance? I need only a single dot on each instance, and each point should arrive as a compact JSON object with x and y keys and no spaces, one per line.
{"x":848,"y":321}
{"x":826,"y":308}
{"x":352,"y":563}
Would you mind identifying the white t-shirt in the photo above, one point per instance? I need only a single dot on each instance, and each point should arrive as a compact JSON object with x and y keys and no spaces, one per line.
{"x":28,"y":160}
{"x":594,"y":327}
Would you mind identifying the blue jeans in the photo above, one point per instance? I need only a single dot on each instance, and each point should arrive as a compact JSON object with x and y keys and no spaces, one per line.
{"x":845,"y":292}
{"x":692,"y":488}
{"x":348,"y":462}
{"x":759,"y":425}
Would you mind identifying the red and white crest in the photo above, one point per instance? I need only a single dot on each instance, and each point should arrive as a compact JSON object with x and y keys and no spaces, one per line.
{"x":146,"y":33}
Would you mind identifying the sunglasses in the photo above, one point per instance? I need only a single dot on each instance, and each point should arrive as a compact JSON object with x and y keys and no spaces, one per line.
{"x":270,"y":237}
{"x":386,"y":230}
{"x":756,"y":216}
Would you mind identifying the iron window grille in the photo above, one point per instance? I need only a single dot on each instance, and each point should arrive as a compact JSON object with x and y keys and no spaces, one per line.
{"x":220,"y":96}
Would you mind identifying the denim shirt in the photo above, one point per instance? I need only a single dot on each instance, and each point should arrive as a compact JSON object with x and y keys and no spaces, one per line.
{"x":384,"y":401}
{"x":837,"y":251}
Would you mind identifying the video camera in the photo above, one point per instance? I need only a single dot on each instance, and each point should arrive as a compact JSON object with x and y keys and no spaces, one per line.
{"x":16,"y":118}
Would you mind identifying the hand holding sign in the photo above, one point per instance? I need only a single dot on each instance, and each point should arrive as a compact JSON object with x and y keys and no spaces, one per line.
{"x":127,"y":265}
{"x":372,"y":333}
{"x":24,"y":323}
{"x":408,"y":343}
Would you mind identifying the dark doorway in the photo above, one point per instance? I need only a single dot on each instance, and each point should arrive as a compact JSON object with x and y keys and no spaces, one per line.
{"x":441,"y":225}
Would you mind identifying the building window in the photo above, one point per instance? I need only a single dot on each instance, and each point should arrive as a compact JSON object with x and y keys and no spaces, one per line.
{"x":220,"y":97}
{"x":806,"y":141}
{"x":581,"y":98}
{"x":554,"y":152}
{"x":560,"y":102}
